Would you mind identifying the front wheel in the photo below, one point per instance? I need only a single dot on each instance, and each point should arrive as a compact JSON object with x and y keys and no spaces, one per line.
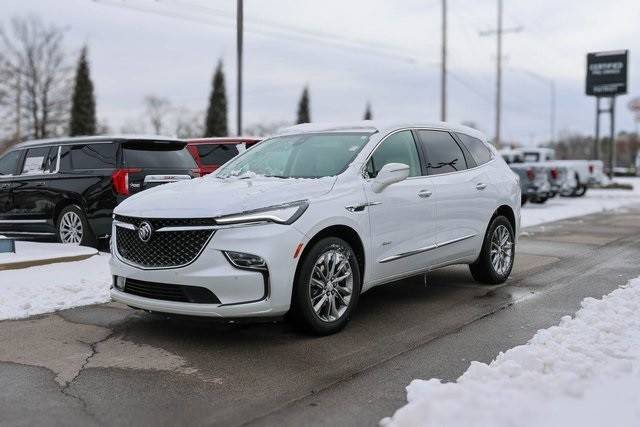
{"x":495,"y":262}
{"x":327,"y":287}
{"x":73,"y":228}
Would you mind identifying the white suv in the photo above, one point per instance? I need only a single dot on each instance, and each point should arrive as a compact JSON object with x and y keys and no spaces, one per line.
{"x":309,"y":219}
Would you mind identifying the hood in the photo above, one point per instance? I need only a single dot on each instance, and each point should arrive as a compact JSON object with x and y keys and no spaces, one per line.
{"x":210,"y":197}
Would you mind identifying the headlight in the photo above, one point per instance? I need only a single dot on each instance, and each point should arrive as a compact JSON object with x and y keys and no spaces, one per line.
{"x":246,"y":261}
{"x":280,"y":214}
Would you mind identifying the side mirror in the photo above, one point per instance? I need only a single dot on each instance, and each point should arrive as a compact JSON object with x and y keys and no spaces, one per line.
{"x":389,"y":174}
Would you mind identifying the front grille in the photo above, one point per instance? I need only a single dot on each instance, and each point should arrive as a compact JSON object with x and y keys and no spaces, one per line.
{"x":167,"y":292}
{"x":165,"y":249}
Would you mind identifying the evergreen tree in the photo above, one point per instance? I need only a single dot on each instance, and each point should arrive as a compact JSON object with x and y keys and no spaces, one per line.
{"x":216,"y":121}
{"x":83,"y":103}
{"x":304,"y":113}
{"x":368,"y":115}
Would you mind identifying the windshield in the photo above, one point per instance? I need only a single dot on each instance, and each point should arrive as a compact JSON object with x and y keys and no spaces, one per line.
{"x":298,"y":156}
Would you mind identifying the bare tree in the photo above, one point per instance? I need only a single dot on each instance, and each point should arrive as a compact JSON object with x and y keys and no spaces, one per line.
{"x":157,"y":109}
{"x":35,"y":78}
{"x":187,"y":123}
{"x":265,"y":129}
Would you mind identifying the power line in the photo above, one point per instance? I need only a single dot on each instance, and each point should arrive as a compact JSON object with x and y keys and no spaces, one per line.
{"x":272,"y":30}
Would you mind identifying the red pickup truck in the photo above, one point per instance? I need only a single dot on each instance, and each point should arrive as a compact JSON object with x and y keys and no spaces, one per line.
{"x":211,"y":153}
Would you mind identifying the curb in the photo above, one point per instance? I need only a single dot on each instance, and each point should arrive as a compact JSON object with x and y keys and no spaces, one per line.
{"x":34,"y":263}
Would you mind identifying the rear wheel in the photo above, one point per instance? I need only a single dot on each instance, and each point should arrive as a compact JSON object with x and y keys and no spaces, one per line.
{"x":580,"y":191}
{"x":73,"y":228}
{"x":327,"y":287}
{"x":495,"y":262}
{"x":539,"y":200}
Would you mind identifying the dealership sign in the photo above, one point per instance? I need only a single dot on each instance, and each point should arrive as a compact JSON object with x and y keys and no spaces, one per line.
{"x":607,"y":73}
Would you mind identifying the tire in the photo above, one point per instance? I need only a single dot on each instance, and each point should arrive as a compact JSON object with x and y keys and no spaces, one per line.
{"x":539,"y":200}
{"x":580,"y":191}
{"x":326,"y":319}
{"x":73,"y":228}
{"x":483,"y":269}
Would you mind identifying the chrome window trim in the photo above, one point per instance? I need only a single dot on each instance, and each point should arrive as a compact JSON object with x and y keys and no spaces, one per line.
{"x":23,"y":221}
{"x":363,"y":168}
{"x":425,"y":249}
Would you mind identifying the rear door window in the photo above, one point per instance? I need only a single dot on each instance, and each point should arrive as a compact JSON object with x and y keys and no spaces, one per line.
{"x":157,"y":155}
{"x":442,"y":152}
{"x":9,"y":163}
{"x":217,"y":154}
{"x":92,"y":156}
{"x":480,"y":152}
{"x":36,"y":161}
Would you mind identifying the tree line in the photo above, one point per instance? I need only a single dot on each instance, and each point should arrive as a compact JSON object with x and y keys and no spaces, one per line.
{"x":42,"y":95}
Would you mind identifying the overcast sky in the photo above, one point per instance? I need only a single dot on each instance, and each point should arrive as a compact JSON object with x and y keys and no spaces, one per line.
{"x":350,"y":52}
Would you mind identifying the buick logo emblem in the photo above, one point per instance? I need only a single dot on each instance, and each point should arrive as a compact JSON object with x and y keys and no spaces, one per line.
{"x":145,"y":231}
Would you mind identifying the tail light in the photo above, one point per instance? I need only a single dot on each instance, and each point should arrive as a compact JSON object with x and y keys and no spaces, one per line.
{"x":554,"y":173}
{"x":120,"y":180}
{"x":531,"y":174}
{"x":590,"y":168}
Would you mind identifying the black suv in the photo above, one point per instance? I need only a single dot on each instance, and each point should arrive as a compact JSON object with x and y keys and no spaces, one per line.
{"x":68,"y":188}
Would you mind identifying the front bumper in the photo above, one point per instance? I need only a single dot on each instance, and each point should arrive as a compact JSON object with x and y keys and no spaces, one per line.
{"x":242,"y":293}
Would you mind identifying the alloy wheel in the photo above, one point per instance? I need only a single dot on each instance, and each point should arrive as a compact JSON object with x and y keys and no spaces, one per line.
{"x":501,"y":250}
{"x":71,"y":228}
{"x":331,"y":285}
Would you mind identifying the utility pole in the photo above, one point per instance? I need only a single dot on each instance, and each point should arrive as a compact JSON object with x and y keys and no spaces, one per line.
{"x":239,"y":31}
{"x":499,"y":75}
{"x":498,"y":32}
{"x":443,"y":81}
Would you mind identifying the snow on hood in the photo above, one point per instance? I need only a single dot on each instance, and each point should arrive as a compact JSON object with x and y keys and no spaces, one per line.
{"x":211,"y":197}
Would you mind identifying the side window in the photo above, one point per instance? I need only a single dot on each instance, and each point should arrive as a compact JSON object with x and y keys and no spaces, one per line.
{"x":216,"y":154}
{"x":442,"y":152}
{"x":397,"y":148}
{"x":35,"y":162}
{"x":93,"y":156}
{"x":480,"y":152}
{"x":9,"y":163}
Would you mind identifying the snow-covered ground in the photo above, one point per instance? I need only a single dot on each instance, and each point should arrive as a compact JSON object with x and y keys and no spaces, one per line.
{"x":594,"y":201}
{"x":47,"y":288}
{"x":584,"y":372}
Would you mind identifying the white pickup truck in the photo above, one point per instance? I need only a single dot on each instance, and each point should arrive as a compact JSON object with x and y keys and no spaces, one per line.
{"x":586,"y":172}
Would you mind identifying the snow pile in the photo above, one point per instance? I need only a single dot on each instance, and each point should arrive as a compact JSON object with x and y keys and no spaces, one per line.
{"x":28,"y":291}
{"x":585,"y":372}
{"x":596,"y":200}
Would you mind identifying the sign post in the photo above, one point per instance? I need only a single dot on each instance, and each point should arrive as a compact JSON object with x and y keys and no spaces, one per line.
{"x":606,"y":78}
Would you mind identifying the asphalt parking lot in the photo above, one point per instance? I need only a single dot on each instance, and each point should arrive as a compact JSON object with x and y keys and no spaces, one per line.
{"x":108,"y":364}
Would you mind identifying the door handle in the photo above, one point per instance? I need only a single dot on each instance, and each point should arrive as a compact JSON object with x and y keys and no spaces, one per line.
{"x":481,"y":186}
{"x":424,"y":193}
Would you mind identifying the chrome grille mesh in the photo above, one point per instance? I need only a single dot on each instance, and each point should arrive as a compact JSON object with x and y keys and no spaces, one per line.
{"x":165,"y":249}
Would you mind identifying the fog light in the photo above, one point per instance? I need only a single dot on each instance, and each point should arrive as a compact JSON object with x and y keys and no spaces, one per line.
{"x":246,"y":261}
{"x":119,"y":282}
